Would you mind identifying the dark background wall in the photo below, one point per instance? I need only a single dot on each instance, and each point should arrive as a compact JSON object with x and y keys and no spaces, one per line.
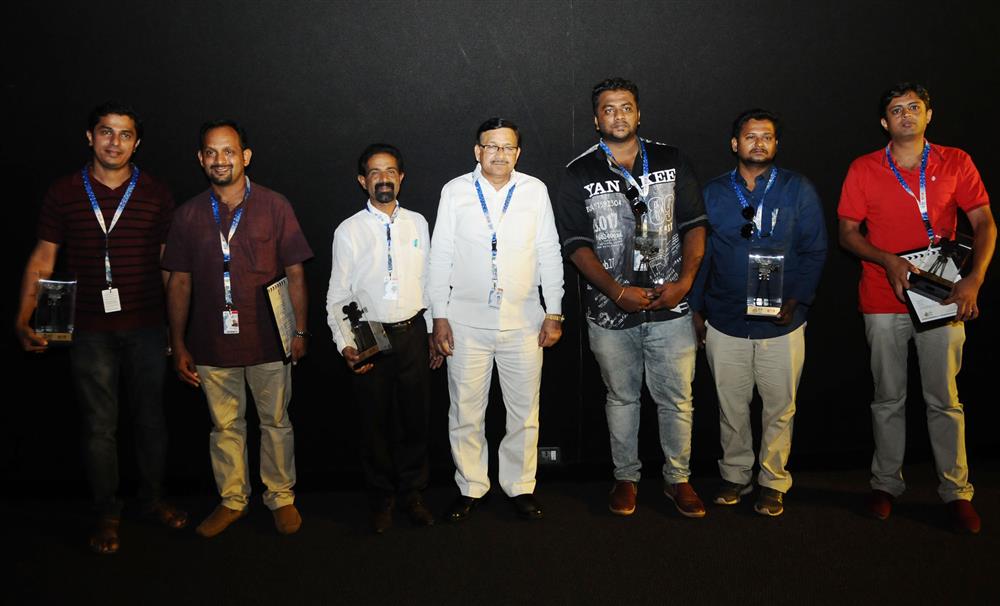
{"x":314,"y":82}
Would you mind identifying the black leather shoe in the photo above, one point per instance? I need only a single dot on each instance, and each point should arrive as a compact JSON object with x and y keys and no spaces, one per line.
{"x":462,"y":507}
{"x":527,"y":507}
{"x":418,"y":512}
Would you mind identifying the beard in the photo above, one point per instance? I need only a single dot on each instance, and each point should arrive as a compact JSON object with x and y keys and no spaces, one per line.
{"x":750,"y":160}
{"x":385,"y":192}
{"x":226,"y":179}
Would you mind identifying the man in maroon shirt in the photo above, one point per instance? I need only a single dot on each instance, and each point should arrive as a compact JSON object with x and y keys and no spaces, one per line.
{"x":111,"y":220}
{"x":226,"y":244}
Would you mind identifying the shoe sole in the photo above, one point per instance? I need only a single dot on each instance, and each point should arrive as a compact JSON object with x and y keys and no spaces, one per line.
{"x":208,"y":533}
{"x":686,"y":514}
{"x":743,"y":492}
{"x":621,"y":512}
{"x":768,"y":512}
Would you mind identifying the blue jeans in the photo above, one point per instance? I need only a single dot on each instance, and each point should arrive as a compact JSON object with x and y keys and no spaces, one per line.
{"x":100,"y":360}
{"x":666,"y":350}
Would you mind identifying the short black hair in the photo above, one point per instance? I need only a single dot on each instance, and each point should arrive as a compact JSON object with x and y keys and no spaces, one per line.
{"x":613,"y":84}
{"x":379,"y":148}
{"x":113,"y":106}
{"x":756,"y":113}
{"x":898,"y":90}
{"x":495,"y":123}
{"x":219,"y":123}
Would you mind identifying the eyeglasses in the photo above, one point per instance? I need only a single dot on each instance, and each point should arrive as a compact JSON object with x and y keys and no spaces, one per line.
{"x":639,"y":207}
{"x":492,"y":148}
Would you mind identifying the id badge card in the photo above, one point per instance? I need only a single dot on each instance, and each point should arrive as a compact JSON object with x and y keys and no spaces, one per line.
{"x":111,"y":301}
{"x":496,"y":296}
{"x":230,"y":322}
{"x":391,"y":290}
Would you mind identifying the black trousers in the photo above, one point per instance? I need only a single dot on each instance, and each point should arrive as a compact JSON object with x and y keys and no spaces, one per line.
{"x":394,"y":397}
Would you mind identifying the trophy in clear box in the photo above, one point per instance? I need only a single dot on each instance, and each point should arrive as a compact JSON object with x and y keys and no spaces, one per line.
{"x":358,"y":329}
{"x":765,"y":277}
{"x":55,"y":309}
{"x":648,"y":252}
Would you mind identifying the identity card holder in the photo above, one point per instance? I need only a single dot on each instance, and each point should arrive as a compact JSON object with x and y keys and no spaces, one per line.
{"x":765,"y":277}
{"x":55,"y":310}
{"x":354,"y":323}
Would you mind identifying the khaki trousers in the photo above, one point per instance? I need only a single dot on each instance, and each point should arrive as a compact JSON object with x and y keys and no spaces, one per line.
{"x":939,"y":353}
{"x":225,"y":389}
{"x":774,"y":365}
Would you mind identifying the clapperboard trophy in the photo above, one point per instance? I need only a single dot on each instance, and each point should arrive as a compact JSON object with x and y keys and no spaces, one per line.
{"x":765,"y":280}
{"x":55,"y":309}
{"x":940,"y":267}
{"x":355,"y":326}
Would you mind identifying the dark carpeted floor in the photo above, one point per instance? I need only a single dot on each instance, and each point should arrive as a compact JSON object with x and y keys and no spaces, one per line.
{"x":822,"y":551}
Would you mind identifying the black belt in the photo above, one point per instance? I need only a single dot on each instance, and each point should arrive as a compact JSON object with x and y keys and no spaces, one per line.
{"x":405,"y":324}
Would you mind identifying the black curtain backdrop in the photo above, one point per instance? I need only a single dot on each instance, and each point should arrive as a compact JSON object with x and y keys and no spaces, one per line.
{"x":315,"y":82}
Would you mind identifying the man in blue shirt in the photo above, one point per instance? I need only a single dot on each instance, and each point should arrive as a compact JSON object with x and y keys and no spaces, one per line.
{"x":757,"y":211}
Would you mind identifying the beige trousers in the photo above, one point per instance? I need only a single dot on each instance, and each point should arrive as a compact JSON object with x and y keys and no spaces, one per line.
{"x":774,"y":365}
{"x":225,"y":389}
{"x":939,"y":353}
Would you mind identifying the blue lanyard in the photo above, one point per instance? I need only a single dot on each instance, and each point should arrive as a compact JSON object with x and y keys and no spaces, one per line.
{"x":489,"y":222}
{"x":114,"y":220}
{"x":224,"y":240}
{"x":625,"y":172}
{"x":744,"y":203}
{"x":388,"y":234}
{"x":922,"y":200}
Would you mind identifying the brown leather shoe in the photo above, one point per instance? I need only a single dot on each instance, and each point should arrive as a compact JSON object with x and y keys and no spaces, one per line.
{"x":879,"y":504}
{"x":218,"y":520}
{"x":964,"y":517}
{"x":104,"y":539}
{"x":685,"y":499}
{"x":418,"y":512}
{"x":166,"y":514}
{"x":622,"y":499}
{"x":287,"y":519}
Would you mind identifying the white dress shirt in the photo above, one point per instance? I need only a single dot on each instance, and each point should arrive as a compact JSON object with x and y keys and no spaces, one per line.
{"x":528,"y":255}
{"x":360,"y":266}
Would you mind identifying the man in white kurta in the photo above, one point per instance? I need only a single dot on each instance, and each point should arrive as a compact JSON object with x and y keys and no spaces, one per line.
{"x":494,"y":243}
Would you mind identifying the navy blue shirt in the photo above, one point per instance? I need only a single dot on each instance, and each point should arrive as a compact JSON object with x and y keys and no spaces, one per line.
{"x":720,"y":290}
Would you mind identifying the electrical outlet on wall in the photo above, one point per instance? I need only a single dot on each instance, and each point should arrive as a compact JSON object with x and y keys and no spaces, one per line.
{"x":548,"y":455}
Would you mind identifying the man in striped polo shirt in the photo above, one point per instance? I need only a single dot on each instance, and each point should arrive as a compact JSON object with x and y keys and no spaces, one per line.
{"x":111,"y":220}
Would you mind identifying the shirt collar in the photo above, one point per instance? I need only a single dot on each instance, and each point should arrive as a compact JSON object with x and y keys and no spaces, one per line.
{"x":381,"y":216}
{"x":477,"y":175}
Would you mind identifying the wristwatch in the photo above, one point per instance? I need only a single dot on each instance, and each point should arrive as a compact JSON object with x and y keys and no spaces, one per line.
{"x":556,"y":317}
{"x":302,"y":334}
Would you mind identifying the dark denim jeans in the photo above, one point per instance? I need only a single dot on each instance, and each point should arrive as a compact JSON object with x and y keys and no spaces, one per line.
{"x":101,"y":361}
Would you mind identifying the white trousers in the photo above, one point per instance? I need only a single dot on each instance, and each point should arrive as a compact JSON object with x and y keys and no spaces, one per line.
{"x":470,"y":368}
{"x":774,"y":365}
{"x":939,"y":353}
{"x":225,"y":390}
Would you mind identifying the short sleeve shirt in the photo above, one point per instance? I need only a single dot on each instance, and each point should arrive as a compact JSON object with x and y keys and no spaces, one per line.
{"x":67,"y":219}
{"x":267,"y":240}
{"x":871,"y":194}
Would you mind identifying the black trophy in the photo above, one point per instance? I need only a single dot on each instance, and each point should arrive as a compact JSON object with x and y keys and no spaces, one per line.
{"x":369,"y":336}
{"x":937,"y":280}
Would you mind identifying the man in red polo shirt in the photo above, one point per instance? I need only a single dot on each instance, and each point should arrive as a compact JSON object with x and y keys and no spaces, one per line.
{"x":907,"y":195}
